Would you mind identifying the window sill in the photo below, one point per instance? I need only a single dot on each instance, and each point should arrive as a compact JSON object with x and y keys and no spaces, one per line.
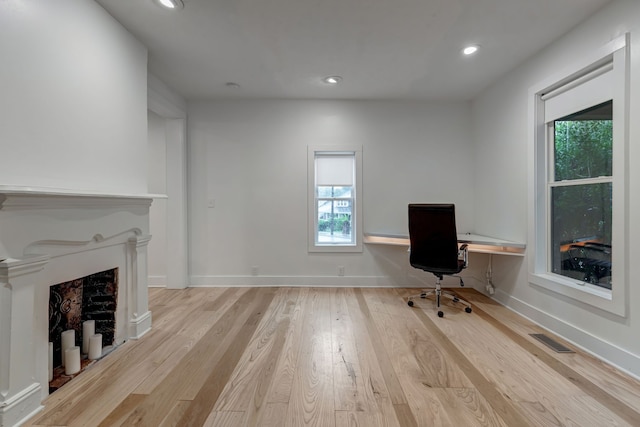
{"x":335,"y":248}
{"x":586,"y":293}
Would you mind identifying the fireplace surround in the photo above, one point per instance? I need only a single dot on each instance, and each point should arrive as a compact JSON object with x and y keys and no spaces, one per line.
{"x":49,"y":237}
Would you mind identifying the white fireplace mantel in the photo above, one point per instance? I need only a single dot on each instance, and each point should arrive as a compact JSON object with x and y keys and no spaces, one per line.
{"x":49,"y":236}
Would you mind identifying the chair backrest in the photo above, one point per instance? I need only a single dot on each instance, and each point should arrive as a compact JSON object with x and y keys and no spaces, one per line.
{"x":434,"y":239}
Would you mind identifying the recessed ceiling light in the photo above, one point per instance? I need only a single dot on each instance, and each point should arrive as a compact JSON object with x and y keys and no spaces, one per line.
{"x":470,"y":50}
{"x":232,"y":85}
{"x":170,"y":4}
{"x":332,"y":80}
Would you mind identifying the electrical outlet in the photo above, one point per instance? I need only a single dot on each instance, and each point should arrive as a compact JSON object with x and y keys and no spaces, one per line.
{"x":254,"y":270}
{"x":211,"y":203}
{"x":341,"y":270}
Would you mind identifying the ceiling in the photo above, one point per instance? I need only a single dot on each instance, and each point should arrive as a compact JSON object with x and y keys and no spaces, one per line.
{"x":383,"y":49}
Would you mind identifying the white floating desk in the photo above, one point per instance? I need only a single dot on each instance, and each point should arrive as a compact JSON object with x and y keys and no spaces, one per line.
{"x":477,"y":243}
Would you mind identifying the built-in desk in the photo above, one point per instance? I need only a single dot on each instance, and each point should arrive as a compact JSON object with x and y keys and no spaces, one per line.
{"x":477,"y":243}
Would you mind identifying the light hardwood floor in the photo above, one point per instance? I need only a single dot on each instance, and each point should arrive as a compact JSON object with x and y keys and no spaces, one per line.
{"x":339,"y":357}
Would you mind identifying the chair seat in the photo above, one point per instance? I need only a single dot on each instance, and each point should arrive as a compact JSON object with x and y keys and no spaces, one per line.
{"x":440,"y":270}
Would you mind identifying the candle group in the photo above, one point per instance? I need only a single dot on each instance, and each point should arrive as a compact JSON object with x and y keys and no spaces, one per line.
{"x":71,"y":356}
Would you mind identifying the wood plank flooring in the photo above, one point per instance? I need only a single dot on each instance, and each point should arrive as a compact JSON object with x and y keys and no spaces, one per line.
{"x":339,"y":357}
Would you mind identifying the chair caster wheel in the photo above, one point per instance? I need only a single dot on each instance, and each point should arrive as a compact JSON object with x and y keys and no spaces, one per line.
{"x":410,"y":303}
{"x":440,"y":314}
{"x":456,"y":299}
{"x":468,"y":309}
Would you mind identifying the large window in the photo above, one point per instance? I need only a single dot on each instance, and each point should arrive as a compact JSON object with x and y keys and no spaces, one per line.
{"x":334,"y":183}
{"x":578,"y":177}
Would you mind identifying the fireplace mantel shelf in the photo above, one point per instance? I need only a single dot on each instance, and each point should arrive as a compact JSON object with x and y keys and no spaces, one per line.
{"x":20,"y":197}
{"x":45,"y":191}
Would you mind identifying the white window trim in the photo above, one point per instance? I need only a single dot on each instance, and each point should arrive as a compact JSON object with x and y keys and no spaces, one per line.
{"x":614,"y":300}
{"x":357,"y":208}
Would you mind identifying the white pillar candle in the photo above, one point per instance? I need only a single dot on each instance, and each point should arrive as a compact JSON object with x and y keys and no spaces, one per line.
{"x":72,"y":360}
{"x":68,"y":341}
{"x":95,"y":346}
{"x":88,"y":329}
{"x":50,"y":361}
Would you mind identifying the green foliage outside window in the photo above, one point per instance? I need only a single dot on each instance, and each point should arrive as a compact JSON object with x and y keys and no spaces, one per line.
{"x":583,"y":149}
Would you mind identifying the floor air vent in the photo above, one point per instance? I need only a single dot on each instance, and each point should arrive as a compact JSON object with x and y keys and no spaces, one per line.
{"x":551,"y":343}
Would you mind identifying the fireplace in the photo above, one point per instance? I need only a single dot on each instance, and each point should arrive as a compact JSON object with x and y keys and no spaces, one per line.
{"x":48,"y":238}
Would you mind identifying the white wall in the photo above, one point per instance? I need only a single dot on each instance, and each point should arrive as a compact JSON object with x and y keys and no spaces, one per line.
{"x":249,"y":158}
{"x":501,"y":131}
{"x":157,"y":169}
{"x":73,"y":108}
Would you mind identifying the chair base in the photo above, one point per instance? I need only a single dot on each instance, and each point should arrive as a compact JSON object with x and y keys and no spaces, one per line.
{"x":439,"y":293}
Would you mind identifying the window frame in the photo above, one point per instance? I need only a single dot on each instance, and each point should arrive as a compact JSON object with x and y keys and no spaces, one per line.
{"x":540,"y":167}
{"x":356,"y":197}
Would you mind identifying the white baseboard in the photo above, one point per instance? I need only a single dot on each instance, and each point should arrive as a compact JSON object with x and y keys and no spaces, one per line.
{"x":140,"y":325}
{"x":157,"y":281}
{"x":294,"y":281}
{"x":411,"y":281}
{"x":610,"y":353}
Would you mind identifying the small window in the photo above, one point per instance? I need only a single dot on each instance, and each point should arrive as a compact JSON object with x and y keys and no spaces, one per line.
{"x":334,"y":188}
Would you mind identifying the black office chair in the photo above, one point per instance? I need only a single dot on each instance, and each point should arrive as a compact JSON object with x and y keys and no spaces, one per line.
{"x":434,"y":248}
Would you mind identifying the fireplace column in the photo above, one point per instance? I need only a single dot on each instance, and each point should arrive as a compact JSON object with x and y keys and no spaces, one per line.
{"x":20,"y":389}
{"x":139,"y":316}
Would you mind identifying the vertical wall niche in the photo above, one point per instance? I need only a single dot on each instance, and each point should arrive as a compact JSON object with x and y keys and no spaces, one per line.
{"x":93,"y":297}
